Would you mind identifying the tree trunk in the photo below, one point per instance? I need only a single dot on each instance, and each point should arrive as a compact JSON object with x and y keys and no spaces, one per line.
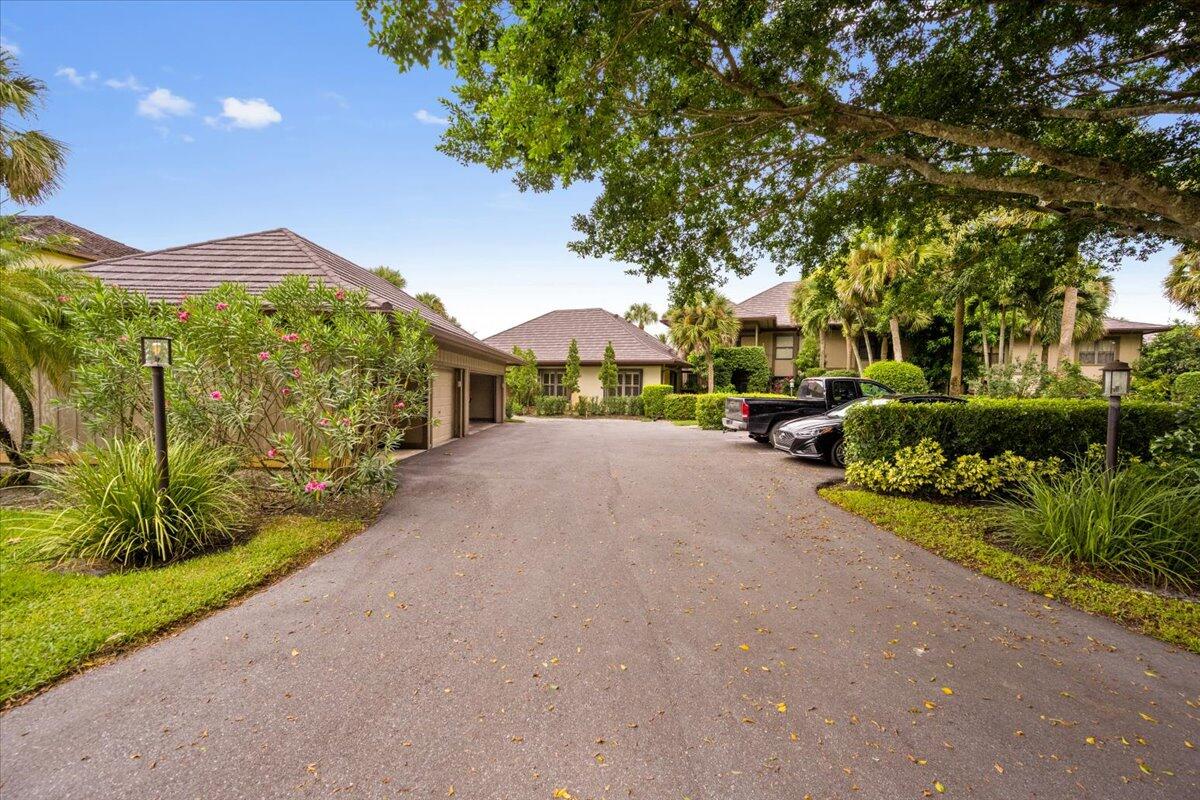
{"x":1012,"y":337}
{"x":850,"y":348}
{"x":8,"y":443}
{"x":821,"y":348}
{"x":711,"y":373}
{"x":1000,"y":339}
{"x":956,"y":359}
{"x":867,"y":340}
{"x":1066,"y":335}
{"x":16,"y":459}
{"x":883,"y":348}
{"x":897,"y":353}
{"x":987,"y":353}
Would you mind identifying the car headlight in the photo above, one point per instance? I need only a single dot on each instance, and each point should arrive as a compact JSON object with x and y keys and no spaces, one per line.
{"x":824,"y":429}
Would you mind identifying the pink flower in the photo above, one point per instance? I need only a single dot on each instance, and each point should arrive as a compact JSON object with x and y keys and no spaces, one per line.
{"x":399,"y":404}
{"x":264,"y":355}
{"x":215,"y":395}
{"x":123,"y":339}
{"x":184,"y":316}
{"x":272,"y":453}
{"x":296,"y":372}
{"x":62,"y":298}
{"x":340,"y":294}
{"x":222,"y":306}
{"x":291,"y":337}
{"x":346,"y":421}
{"x":285,"y":391}
{"x":306,"y":347}
{"x":315,"y":486}
{"x":324,"y":422}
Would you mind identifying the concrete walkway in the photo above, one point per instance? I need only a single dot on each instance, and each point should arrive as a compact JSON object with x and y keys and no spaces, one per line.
{"x":622,"y":609}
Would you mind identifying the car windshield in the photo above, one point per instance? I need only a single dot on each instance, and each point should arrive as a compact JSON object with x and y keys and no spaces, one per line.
{"x":841,"y":410}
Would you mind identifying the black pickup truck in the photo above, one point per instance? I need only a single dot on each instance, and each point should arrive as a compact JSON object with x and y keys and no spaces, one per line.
{"x":758,"y":416}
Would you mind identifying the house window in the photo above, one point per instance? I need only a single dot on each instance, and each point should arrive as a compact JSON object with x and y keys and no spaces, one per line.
{"x":1097,"y":353}
{"x":629,"y":383}
{"x":552,"y":381}
{"x":748,"y":340}
{"x":785,"y":353}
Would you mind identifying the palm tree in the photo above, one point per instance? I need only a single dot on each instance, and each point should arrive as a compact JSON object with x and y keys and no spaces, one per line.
{"x":641,"y":314}
{"x":1182,"y":283}
{"x":435,"y":304}
{"x":30,"y":161}
{"x":391,"y":276}
{"x":876,"y":266}
{"x":703,"y":324}
{"x":30,"y":314}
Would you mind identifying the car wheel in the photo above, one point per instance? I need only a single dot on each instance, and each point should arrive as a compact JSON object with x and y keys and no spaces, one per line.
{"x":759,"y":439}
{"x":770,"y":437}
{"x":837,"y":453}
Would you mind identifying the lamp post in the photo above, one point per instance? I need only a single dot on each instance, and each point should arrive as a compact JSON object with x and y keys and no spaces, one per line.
{"x":1116,"y":385}
{"x":156,"y":354}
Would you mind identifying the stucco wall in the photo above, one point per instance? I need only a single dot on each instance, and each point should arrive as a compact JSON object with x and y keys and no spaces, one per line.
{"x":1129,"y":348}
{"x":589,"y":377}
{"x":835,"y":349}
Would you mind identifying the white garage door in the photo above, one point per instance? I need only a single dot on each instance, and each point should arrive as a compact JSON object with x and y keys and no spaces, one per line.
{"x":442,"y":406}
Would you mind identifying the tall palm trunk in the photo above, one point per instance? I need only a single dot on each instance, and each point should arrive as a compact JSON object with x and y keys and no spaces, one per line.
{"x":821,"y":348}
{"x":867,"y":340}
{"x":1000,"y":339}
{"x":956,"y":359}
{"x":1066,"y":335}
{"x":897,"y":353}
{"x":850,"y":348}
{"x":14,"y":451}
{"x":883,"y":348}
{"x":711,"y":372}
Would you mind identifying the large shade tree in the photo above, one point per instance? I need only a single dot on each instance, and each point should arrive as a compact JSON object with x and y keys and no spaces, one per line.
{"x":726,"y":132}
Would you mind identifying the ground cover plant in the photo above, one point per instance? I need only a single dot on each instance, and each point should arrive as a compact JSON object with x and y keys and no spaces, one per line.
{"x":53,"y":622}
{"x":960,"y":533}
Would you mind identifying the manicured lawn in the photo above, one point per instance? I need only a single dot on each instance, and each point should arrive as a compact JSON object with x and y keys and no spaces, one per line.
{"x":685,"y":423}
{"x":52,"y":623}
{"x":958,"y":533}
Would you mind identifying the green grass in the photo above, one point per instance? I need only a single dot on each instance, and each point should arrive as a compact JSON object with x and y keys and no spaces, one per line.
{"x":957,"y":533}
{"x":684,"y":423}
{"x":52,"y":623}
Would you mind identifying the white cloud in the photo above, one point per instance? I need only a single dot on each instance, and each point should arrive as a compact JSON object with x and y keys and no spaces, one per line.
{"x":336,"y":99}
{"x":186,"y":138}
{"x":9,"y":47}
{"x":162,"y":102}
{"x":131,"y":83}
{"x":253,"y":112}
{"x":425,"y":118}
{"x":76,"y":77}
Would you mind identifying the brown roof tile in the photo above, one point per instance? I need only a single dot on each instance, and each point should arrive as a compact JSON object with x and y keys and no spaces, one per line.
{"x":87,"y":244}
{"x":264,"y":259}
{"x":1114,"y":325}
{"x":770,"y":304}
{"x":550,"y":335}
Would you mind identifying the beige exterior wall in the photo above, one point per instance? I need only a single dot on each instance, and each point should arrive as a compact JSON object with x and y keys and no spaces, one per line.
{"x":49,"y":258}
{"x":1129,"y":348}
{"x":589,"y":377}
{"x":835,"y":348}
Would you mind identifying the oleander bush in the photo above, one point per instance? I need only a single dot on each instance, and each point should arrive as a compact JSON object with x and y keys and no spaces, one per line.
{"x":115,"y":511}
{"x":679,"y":406}
{"x":550,"y":406}
{"x":902,"y":377}
{"x":1141,"y":522}
{"x":1036,"y":429}
{"x":924,"y":470}
{"x":710,"y":408}
{"x":1186,"y":388}
{"x":653,"y":396}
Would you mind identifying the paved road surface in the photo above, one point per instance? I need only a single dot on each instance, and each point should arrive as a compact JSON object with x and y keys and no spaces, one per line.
{"x":622,"y":609}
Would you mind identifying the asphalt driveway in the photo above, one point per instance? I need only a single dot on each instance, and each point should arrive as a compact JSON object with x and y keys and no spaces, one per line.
{"x":622,"y":609}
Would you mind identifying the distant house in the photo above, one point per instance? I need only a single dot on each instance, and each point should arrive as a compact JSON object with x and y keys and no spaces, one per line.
{"x":641,"y":358}
{"x":78,"y":245}
{"x":767,"y":323}
{"x":468,"y":375}
{"x":1122,"y":341}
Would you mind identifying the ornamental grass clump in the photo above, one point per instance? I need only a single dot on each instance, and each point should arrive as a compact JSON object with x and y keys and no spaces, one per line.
{"x":1140,"y":522}
{"x":116,"y":512}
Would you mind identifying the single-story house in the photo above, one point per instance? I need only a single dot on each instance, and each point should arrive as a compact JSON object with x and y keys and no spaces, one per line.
{"x":767,"y":323}
{"x":641,"y":358}
{"x":76,"y":246}
{"x":468,"y":375}
{"x":1122,"y":341}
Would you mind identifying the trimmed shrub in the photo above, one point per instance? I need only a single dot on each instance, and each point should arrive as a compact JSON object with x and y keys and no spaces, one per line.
{"x":116,"y":512}
{"x":839,"y":373}
{"x":587,"y":407}
{"x":680,"y":406}
{"x":652,"y":399}
{"x":1141,"y":523}
{"x":923,"y":469}
{"x":711,"y":407}
{"x":749,"y":363}
{"x":1036,"y":429}
{"x":1186,"y":388}
{"x":899,"y":376}
{"x":550,"y":406}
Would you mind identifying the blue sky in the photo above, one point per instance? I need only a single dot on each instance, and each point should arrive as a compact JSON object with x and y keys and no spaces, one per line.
{"x":189,"y":121}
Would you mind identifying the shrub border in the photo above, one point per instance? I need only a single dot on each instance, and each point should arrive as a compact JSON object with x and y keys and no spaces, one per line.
{"x":942,"y":530}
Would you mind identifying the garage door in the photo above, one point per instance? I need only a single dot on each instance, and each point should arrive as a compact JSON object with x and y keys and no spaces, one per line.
{"x":442,"y":406}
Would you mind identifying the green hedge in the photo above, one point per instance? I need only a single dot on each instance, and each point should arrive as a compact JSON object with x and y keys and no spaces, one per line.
{"x":1037,"y":429}
{"x":711,"y":407}
{"x":899,"y":376}
{"x":550,"y":406}
{"x":752,"y":360}
{"x":679,"y":406}
{"x":1186,"y":388}
{"x":652,"y":399}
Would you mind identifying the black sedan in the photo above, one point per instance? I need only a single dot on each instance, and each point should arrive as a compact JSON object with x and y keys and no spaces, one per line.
{"x":821,"y":436}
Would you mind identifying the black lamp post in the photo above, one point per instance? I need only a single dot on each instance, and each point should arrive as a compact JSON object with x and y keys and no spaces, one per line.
{"x":1116,"y":385}
{"x":156,"y":354}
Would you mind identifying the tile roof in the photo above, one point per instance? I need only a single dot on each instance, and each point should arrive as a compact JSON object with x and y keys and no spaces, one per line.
{"x":770,"y":304}
{"x":261,"y":260}
{"x":1114,"y":325}
{"x":87,"y":244}
{"x":550,"y":335}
